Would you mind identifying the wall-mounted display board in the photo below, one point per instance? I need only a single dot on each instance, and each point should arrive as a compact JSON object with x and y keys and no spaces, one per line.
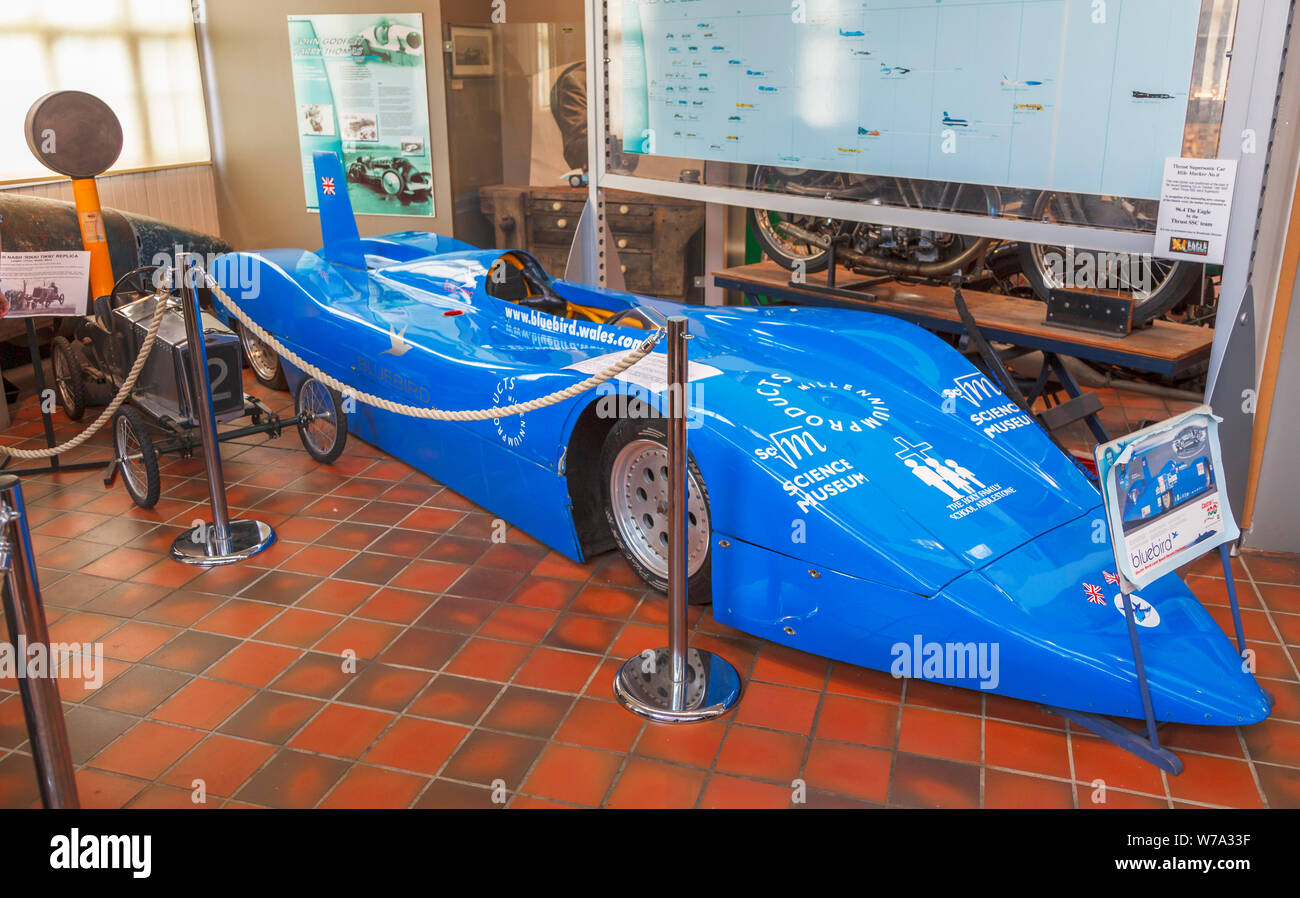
{"x":1041,"y":94}
{"x":361,"y":91}
{"x":1057,"y":111}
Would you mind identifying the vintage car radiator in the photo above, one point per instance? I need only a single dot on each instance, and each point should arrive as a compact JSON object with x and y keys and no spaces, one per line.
{"x":164,"y":387}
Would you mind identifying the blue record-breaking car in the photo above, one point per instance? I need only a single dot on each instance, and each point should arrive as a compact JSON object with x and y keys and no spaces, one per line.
{"x":857,"y":489}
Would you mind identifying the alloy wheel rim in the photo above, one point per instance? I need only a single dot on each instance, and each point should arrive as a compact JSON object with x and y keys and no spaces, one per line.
{"x":264,"y":362}
{"x":639,"y":497}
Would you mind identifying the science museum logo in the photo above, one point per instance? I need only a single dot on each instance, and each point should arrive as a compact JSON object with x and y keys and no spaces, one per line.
{"x":949,"y":661}
{"x":783,"y":392}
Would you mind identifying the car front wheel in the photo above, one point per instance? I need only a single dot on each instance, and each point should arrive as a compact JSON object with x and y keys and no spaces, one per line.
{"x":634,"y":486}
{"x":262,"y":360}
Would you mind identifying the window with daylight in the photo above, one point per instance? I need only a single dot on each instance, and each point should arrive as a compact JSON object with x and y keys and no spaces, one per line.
{"x":139,"y":56}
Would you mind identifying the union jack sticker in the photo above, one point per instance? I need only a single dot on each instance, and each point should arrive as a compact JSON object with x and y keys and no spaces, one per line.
{"x":327,"y":185}
{"x":1110,"y":578}
{"x":1094,"y":594}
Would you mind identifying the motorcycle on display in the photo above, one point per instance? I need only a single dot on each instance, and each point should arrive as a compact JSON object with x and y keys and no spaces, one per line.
{"x":802,"y":242}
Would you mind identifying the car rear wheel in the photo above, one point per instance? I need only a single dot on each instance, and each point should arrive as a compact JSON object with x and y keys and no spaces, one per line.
{"x":322,"y":423}
{"x":392,"y":182}
{"x":136,"y":456}
{"x":634,"y":485}
{"x":262,"y":360}
{"x":69,"y":385}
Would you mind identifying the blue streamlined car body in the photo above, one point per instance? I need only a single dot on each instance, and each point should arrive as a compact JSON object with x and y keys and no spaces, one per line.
{"x":858,"y":489}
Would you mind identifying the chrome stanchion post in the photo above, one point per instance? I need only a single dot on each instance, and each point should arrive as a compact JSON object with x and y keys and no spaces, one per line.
{"x":25,"y":616}
{"x":677,"y":684}
{"x":223,"y":541}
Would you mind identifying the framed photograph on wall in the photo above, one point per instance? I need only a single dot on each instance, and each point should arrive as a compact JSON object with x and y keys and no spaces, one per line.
{"x":471,"y":52}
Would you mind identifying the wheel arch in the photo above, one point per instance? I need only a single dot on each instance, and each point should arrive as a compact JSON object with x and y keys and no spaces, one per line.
{"x":582,"y":473}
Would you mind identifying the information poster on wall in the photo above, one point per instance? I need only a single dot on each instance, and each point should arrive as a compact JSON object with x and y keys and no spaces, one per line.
{"x":40,"y":284}
{"x":360,"y":91}
{"x":1164,"y":503}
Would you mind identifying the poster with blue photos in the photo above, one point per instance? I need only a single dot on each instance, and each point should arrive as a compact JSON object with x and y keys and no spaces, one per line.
{"x":1165,"y":504}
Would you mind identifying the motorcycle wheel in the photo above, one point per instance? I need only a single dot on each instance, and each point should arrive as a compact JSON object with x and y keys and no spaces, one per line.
{"x":69,"y":385}
{"x":136,"y":456}
{"x":634,"y":488}
{"x":786,"y":251}
{"x":1171,"y":282}
{"x":322,"y":423}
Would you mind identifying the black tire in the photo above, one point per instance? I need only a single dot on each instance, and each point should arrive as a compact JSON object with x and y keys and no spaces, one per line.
{"x":69,"y":385}
{"x":130,"y":439}
{"x":266,"y":366}
{"x":814,"y":260}
{"x":632,"y":540}
{"x":314,"y":403}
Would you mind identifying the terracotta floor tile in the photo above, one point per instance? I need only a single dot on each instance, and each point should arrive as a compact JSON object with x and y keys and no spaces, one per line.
{"x":337,"y":596}
{"x":126,"y":599}
{"x":444,"y":794}
{"x":517,"y":623}
{"x":789,"y":667}
{"x":653,"y":784}
{"x":562,"y":671}
{"x":600,"y":724}
{"x":1213,"y":780}
{"x":191,"y":651}
{"x":372,"y":787}
{"x":457,"y":699}
{"x":352,"y":535}
{"x":852,"y":770}
{"x":316,"y":674}
{"x":695,"y":745}
{"x":427,"y":576}
{"x":1281,"y":785}
{"x":398,"y":606}
{"x":848,"y":719}
{"x":925,"y":731}
{"x":373,"y":568}
{"x":1097,"y":759}
{"x":222,"y":763}
{"x":1025,"y":748}
{"x":1011,"y":790}
{"x":280,"y":587}
{"x":239,"y":618}
{"x":132,"y":641}
{"x":385,"y":687}
{"x":421,"y":746}
{"x":763,"y":754}
{"x":138,"y":690}
{"x":583,"y":634}
{"x":253,"y":663}
{"x":270,"y":717}
{"x":605,"y":601}
{"x":731,"y":792}
{"x":146,"y":750}
{"x":180,"y":609}
{"x":455,"y":550}
{"x":343,"y":730}
{"x":487,"y":758}
{"x":297,"y":627}
{"x":1093,"y":798}
{"x":529,"y":712}
{"x":488,"y":659}
{"x":202,"y":704}
{"x":544,"y":592}
{"x":167,"y":798}
{"x":97,"y":789}
{"x":777,"y":707}
{"x":934,"y":783}
{"x":364,"y":639}
{"x":426,"y":649}
{"x":576,"y":775}
{"x":404,"y":543}
{"x":293,"y":779}
{"x":318,"y":560}
{"x":456,"y":614}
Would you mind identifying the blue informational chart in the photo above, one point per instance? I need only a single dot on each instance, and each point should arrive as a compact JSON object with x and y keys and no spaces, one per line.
{"x":1068,"y":95}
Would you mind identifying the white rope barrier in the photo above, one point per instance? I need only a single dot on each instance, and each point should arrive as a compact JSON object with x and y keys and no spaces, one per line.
{"x":436,"y":414}
{"x":106,"y":415}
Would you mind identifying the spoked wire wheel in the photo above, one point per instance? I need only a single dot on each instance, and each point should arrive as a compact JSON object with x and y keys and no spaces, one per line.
{"x":1155,"y":285}
{"x":69,"y":385}
{"x":322,"y":423}
{"x":136,"y":456}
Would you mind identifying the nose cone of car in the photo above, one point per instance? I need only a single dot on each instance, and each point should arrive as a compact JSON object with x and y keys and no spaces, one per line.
{"x":1058,"y":600}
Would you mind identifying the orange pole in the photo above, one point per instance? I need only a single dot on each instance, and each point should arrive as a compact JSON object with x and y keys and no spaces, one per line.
{"x":94,"y":236}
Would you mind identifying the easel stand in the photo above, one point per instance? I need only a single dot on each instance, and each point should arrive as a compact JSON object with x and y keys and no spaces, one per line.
{"x":54,"y":466}
{"x":1148,"y":747}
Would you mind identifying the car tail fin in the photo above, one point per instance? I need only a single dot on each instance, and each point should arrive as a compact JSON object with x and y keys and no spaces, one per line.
{"x":338,"y":225}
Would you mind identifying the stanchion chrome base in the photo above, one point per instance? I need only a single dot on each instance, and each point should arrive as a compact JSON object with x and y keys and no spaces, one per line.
{"x":198,"y":546}
{"x":644,"y":685}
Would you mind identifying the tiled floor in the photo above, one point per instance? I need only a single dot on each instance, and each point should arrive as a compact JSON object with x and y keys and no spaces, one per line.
{"x":387,"y":652}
